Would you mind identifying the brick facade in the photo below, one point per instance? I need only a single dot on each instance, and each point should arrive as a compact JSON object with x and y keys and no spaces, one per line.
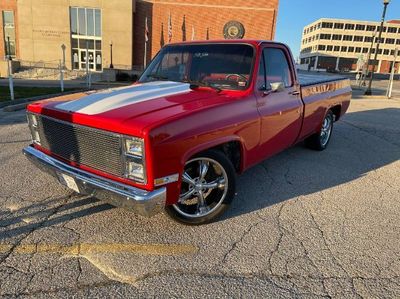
{"x":257,"y":16}
{"x":9,"y":5}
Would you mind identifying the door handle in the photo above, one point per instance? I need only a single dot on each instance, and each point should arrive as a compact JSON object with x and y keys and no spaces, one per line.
{"x":295,"y":93}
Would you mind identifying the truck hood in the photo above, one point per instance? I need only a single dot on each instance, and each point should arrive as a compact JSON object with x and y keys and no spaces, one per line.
{"x":128,"y":110}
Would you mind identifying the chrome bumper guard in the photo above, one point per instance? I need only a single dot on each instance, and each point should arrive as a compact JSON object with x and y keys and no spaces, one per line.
{"x":142,"y":202}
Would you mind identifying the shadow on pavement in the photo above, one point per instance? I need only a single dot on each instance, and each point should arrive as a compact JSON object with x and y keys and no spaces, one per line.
{"x":355,"y":151}
{"x":43,"y":217}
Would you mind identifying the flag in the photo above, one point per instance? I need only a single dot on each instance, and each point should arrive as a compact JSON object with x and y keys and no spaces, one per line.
{"x":208,"y":34}
{"x":169,"y":28}
{"x":193,"y":34}
{"x":162,"y":41}
{"x":184,"y":29}
{"x":146,"y":31}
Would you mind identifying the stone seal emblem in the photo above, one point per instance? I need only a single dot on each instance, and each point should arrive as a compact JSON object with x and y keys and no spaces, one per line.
{"x":234,"y":30}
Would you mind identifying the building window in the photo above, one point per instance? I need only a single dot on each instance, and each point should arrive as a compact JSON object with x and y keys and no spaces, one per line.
{"x":344,"y":49}
{"x":337,"y":48}
{"x":371,"y":28}
{"x":337,"y":37}
{"x":368,"y":39}
{"x":358,"y":50}
{"x":86,"y":37}
{"x":349,"y":27}
{"x":9,"y":33}
{"x":325,"y":36}
{"x":327,"y":25}
{"x":398,"y":42}
{"x":380,"y":51}
{"x":329,"y":48}
{"x":347,"y":37}
{"x":358,"y":38}
{"x":339,"y":26}
{"x":384,"y":29}
{"x":365,"y":50}
{"x":377,"y":40}
{"x":390,"y":41}
{"x":350,"y":49}
{"x":392,"y":30}
{"x":386,"y":52}
{"x":321,"y":47}
{"x":360,"y":27}
{"x":392,"y":53}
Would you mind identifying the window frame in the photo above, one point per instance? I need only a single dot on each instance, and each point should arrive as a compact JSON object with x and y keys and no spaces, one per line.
{"x":289,"y":61}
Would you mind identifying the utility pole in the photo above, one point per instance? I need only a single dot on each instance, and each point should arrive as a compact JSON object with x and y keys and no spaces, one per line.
{"x":390,"y":87}
{"x":385,"y":4}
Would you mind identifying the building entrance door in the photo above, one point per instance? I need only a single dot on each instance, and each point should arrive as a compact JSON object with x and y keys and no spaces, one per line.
{"x":83,"y":60}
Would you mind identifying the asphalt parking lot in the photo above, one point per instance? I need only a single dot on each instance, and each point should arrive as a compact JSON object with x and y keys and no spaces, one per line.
{"x":304,"y":224}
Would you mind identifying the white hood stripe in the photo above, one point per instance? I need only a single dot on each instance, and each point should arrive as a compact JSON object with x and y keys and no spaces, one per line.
{"x":110,"y":99}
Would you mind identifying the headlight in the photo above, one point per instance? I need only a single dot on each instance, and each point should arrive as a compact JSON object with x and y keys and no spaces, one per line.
{"x":33,"y":125}
{"x":135,"y":171}
{"x":134,"y":156}
{"x":134,"y":146}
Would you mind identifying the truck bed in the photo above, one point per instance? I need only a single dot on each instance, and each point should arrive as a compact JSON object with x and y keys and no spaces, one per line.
{"x":308,"y":79}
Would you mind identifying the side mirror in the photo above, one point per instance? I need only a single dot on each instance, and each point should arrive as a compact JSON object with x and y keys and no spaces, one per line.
{"x":277,"y":86}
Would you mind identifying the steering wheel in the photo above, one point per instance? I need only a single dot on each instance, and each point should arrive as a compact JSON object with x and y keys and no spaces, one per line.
{"x":237,"y":75}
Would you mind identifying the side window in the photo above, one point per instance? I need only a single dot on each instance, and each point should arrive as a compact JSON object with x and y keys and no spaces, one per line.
{"x":277,"y":67}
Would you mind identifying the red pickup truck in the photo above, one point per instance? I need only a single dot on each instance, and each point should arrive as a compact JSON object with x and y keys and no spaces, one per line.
{"x":201,"y":113}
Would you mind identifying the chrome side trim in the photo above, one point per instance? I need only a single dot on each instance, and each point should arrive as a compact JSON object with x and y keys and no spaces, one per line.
{"x":142,"y":202}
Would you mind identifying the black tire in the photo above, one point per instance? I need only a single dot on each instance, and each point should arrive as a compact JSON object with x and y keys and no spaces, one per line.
{"x":216,"y":200}
{"x":320,"y":141}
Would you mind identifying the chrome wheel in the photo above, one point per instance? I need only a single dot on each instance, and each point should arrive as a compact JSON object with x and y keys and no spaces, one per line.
{"x":204,"y":188}
{"x":326,"y":130}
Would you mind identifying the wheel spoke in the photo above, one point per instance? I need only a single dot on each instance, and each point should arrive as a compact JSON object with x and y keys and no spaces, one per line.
{"x":203,"y":169}
{"x":186,"y":196}
{"x":218,"y":183}
{"x":187,"y":179}
{"x":202,"y":205}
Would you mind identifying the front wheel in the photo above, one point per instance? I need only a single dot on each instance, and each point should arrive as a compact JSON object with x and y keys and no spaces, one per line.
{"x":208,"y":187}
{"x":320,"y":140}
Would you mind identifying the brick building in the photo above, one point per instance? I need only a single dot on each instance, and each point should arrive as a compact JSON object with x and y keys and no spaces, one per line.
{"x":201,"y":16}
{"x":115,"y":29}
{"x":8,"y":28}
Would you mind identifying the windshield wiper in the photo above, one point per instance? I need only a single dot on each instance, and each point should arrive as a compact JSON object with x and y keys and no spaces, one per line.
{"x":197,"y":84}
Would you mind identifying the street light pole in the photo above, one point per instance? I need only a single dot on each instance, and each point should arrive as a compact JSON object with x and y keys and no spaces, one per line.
{"x":369,"y":57}
{"x":111,"y":51}
{"x":385,"y":4}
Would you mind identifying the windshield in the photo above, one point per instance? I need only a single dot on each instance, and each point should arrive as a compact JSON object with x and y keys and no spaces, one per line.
{"x":222,"y":66}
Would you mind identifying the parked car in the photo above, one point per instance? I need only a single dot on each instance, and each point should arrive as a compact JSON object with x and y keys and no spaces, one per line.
{"x":201,"y":113}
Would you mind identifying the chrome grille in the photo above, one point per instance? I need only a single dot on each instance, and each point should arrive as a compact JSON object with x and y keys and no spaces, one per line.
{"x":94,"y":148}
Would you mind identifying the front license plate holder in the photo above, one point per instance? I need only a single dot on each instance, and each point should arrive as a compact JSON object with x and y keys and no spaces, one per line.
{"x":68,"y":181}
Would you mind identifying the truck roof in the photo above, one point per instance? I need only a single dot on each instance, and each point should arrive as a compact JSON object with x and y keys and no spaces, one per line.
{"x":254,"y":42}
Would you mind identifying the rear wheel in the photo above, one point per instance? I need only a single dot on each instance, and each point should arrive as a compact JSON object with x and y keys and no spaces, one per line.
{"x":208,"y":187}
{"x":320,"y":140}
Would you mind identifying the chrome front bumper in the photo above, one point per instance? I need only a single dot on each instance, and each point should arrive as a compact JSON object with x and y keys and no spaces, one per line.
{"x":142,"y":202}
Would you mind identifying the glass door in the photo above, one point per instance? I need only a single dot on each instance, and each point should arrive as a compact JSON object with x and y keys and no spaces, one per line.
{"x":83,"y":60}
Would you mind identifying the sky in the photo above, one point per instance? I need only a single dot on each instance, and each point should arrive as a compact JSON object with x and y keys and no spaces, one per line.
{"x":293,"y":15}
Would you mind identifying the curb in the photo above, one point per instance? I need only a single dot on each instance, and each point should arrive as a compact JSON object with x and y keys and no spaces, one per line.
{"x":11,"y":106}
